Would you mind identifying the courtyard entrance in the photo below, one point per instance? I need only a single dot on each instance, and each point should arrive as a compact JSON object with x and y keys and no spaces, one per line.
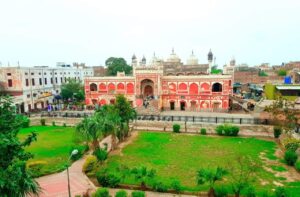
{"x":147,"y":87}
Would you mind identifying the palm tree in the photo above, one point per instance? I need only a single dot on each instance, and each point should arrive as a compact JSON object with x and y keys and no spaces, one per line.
{"x":109,"y":122}
{"x":90,"y":128}
{"x":126,"y":112}
{"x":142,"y":174}
{"x":210,"y":176}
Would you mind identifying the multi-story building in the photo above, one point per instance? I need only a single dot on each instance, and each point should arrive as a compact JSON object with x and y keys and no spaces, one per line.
{"x":35,"y":87}
{"x":169,"y":84}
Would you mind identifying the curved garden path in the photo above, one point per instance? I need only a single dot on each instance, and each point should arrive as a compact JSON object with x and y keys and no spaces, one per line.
{"x":56,"y":185}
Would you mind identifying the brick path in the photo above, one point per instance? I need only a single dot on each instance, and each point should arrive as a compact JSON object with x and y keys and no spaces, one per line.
{"x":56,"y":185}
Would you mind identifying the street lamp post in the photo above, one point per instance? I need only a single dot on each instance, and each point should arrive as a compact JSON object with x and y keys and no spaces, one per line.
{"x":74,"y":152}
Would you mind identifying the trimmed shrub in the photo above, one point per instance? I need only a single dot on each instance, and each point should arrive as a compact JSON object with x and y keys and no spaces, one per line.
{"x":89,"y":164}
{"x":101,"y":192}
{"x":65,"y":125}
{"x":53,"y":123}
{"x":101,"y":154}
{"x":35,"y":168}
{"x":281,"y":192}
{"x":106,"y":179}
{"x":221,"y":192}
{"x":227,"y":130}
{"x":159,"y":187}
{"x":277,"y":131}
{"x":176,"y":186}
{"x":121,"y":193}
{"x":176,"y":128}
{"x":43,"y":122}
{"x":203,"y":131}
{"x":138,"y":194}
{"x":290,"y":157}
{"x":297,"y":165}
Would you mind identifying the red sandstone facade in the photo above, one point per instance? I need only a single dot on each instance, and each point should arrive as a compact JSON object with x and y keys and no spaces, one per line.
{"x":203,"y":92}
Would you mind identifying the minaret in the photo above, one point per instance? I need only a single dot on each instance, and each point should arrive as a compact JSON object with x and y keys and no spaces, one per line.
{"x":210,"y":57}
{"x":144,"y":61}
{"x":133,"y":64}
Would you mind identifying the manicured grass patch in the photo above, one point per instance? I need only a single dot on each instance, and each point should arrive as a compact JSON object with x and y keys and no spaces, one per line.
{"x":52,"y":146}
{"x":179,"y":156}
{"x":279,"y":168}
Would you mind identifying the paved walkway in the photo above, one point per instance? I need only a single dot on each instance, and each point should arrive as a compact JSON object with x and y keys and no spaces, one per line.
{"x":56,"y":185}
{"x":205,"y":114}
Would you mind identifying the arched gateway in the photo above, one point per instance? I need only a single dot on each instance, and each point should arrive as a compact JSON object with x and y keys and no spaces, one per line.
{"x":147,"y":87}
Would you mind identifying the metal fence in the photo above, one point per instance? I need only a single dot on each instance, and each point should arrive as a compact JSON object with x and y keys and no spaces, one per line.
{"x":195,"y":119}
{"x":201,"y":119}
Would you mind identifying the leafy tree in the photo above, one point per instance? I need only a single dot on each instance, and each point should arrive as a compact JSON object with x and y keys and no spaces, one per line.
{"x":242,"y":174}
{"x":72,"y":89}
{"x":282,"y":72}
{"x":115,"y":64}
{"x":210,"y":176}
{"x":15,"y":180}
{"x":142,"y":174}
{"x":262,"y":73}
{"x":126,"y":113}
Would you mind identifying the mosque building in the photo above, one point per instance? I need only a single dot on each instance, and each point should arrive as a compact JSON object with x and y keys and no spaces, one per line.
{"x":165,"y":85}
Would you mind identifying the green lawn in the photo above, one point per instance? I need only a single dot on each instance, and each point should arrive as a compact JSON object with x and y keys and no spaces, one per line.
{"x":53,"y":146}
{"x":179,"y":156}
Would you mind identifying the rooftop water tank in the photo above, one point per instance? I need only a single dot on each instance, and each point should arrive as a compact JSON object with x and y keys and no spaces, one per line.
{"x":288,"y":80}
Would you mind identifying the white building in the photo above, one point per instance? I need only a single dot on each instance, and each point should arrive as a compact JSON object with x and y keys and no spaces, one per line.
{"x":35,"y":87}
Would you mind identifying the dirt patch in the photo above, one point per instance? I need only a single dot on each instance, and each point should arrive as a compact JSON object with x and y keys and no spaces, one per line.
{"x":290,"y":175}
{"x":129,"y":140}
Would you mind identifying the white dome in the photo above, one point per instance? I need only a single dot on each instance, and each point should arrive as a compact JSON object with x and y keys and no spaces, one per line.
{"x":173,"y":57}
{"x":192,"y":60}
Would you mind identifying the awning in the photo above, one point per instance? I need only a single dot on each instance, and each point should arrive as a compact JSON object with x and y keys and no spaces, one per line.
{"x":294,"y":87}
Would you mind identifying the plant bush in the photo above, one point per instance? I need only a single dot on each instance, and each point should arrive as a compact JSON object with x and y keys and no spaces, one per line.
{"x":81,"y":150}
{"x":43,"y":122}
{"x":281,"y":192}
{"x":159,"y":187}
{"x":297,"y":165}
{"x":176,"y":128}
{"x":221,"y":192}
{"x":65,"y":125}
{"x":203,"y":131}
{"x":277,"y":131}
{"x":106,"y":179}
{"x":121,"y":193}
{"x":227,"y":130}
{"x":176,"y":186}
{"x":250,"y":192}
{"x":53,"y":123}
{"x":291,"y":144}
{"x":138,"y":194}
{"x":35,"y":168}
{"x":290,"y":157}
{"x":101,"y":154}
{"x":101,"y":192}
{"x":89,"y":164}
{"x":24,"y":119}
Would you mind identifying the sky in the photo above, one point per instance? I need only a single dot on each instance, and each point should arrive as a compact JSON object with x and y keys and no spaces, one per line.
{"x":43,"y":32}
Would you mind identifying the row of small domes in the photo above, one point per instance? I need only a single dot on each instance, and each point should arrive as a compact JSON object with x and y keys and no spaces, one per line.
{"x":174,"y":58}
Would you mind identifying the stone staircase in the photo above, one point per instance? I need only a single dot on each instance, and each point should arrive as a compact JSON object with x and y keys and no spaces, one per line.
{"x":152,"y":108}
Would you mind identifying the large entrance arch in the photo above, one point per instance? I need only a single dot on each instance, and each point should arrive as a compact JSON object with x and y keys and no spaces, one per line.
{"x":147,"y":87}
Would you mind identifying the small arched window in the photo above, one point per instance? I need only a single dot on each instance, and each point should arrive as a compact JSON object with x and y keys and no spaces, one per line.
{"x":93,"y":87}
{"x":217,"y":87}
